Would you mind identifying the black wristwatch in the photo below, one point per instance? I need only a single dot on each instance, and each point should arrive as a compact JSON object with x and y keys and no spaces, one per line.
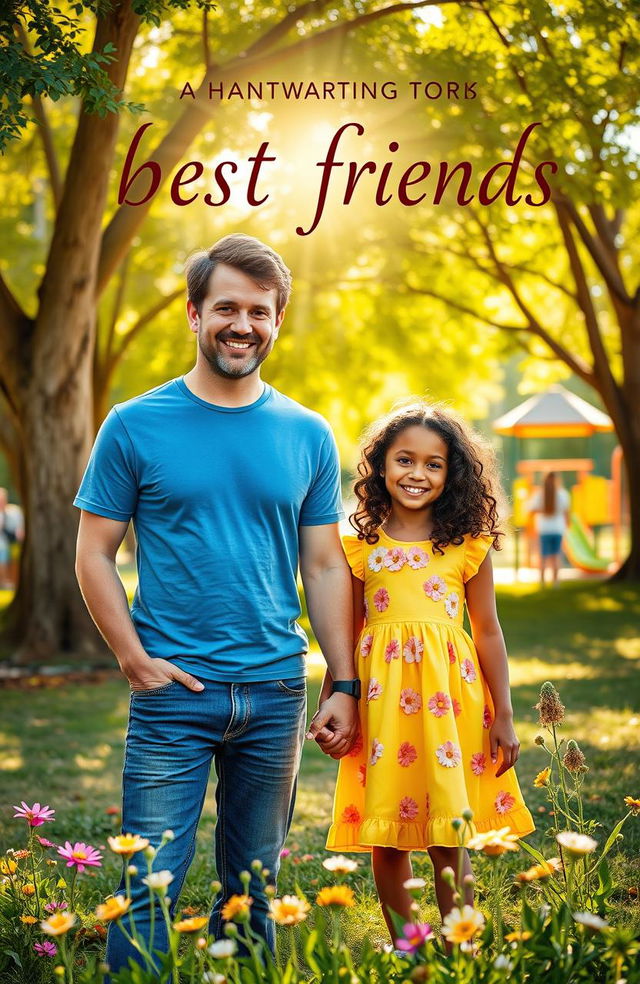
{"x":351,"y":687}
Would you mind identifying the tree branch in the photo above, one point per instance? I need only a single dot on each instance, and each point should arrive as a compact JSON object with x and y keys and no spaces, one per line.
{"x":596,"y":250}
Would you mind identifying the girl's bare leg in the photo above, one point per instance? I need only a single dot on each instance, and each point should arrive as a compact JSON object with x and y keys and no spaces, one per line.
{"x":447,"y":857}
{"x":391,"y":869}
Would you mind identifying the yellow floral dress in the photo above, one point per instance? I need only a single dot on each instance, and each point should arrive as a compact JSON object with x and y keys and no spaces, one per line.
{"x":423,"y":753}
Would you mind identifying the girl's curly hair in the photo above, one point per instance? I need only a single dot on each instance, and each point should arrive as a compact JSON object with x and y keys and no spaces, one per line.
{"x":469,"y":501}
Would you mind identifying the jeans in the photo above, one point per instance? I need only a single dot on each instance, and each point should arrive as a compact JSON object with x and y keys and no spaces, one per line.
{"x":254,"y":734}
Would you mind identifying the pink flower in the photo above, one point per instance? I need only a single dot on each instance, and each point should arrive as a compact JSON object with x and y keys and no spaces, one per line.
{"x":451,"y":604}
{"x":362,"y":775}
{"x":487,"y":719}
{"x":414,"y":935}
{"x":392,"y":651}
{"x":377,"y":748}
{"x":478,"y":763}
{"x":457,"y":710}
{"x":417,"y":558}
{"x":357,"y":746}
{"x":375,"y":559}
{"x":413,"y":650}
{"x":435,"y":588}
{"x":45,"y":949}
{"x":468,"y":671}
{"x":365,"y":644}
{"x":35,"y":815}
{"x":439,"y":704}
{"x":407,"y":754}
{"x":366,"y":609}
{"x":452,"y":652}
{"x":81,"y":856}
{"x":448,"y":754}
{"x":410,"y":701}
{"x":504,"y":802}
{"x":408,"y":808}
{"x":285,"y":852}
{"x":55,"y":906}
{"x":375,"y":689}
{"x":395,"y":559}
{"x":381,"y":599}
{"x":350,"y":814}
{"x":44,"y":842}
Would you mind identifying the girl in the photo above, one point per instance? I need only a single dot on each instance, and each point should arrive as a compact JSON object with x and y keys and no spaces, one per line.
{"x":436,"y":719}
{"x":551,"y":506}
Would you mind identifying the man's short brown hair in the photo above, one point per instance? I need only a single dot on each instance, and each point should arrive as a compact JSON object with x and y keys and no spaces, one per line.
{"x":246,"y":253}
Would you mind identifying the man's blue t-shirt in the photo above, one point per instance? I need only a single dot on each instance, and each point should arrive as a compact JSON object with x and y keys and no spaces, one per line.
{"x":216,"y":495}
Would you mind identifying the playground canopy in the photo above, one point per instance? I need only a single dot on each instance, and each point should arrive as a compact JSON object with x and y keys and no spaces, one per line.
{"x":556,"y":413}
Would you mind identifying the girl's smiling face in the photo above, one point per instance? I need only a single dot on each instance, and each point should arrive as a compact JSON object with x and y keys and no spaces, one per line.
{"x":415,"y":468}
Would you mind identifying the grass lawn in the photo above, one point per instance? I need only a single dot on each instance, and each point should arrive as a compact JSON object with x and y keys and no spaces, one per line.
{"x":61,"y":744}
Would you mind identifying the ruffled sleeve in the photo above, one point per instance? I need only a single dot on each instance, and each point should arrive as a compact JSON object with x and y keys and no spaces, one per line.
{"x":476,"y":549}
{"x":353,"y":549}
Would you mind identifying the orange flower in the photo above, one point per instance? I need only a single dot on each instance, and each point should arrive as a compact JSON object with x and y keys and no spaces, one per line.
{"x":336,"y":895}
{"x":191,"y":925}
{"x":113,"y":908}
{"x":542,"y":870}
{"x":236,"y":908}
{"x":28,"y":890}
{"x":517,"y":936}
{"x":542,"y":779}
{"x":633,"y":804}
{"x":28,"y":920}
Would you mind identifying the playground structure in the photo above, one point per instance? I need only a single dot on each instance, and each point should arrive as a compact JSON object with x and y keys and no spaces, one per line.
{"x":596,"y":501}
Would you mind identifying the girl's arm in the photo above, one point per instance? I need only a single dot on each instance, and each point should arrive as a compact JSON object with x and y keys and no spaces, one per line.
{"x":489,"y":642}
{"x":358,"y":621}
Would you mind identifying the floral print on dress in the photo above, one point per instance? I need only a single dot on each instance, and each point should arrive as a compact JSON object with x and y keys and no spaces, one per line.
{"x":439,"y":704}
{"x":505,"y":801}
{"x":395,"y":559}
{"x":366,"y":609}
{"x":357,"y":746}
{"x":408,"y":808}
{"x":392,"y":651}
{"x":377,"y":748}
{"x":381,"y":599}
{"x":435,"y":588}
{"x":375,"y":560}
{"x":410,"y":701}
{"x":448,"y":754}
{"x":468,"y":671}
{"x":427,"y":806}
{"x":365,"y":644}
{"x":452,"y":604}
{"x":457,"y":709}
{"x":452,"y":653}
{"x":407,"y":754}
{"x":417,"y":557}
{"x":362,"y":775}
{"x":351,"y":814}
{"x":413,"y":650}
{"x":375,"y":689}
{"x":478,"y":763}
{"x":487,"y":717}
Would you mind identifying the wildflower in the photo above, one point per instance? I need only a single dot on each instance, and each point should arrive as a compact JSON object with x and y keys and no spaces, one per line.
{"x":113,"y":908}
{"x":414,"y":885}
{"x":81,"y":855}
{"x":289,"y":910}
{"x":191,"y":925}
{"x":44,"y":842}
{"x":577,"y":845}
{"x":574,"y":760}
{"x":46,"y":949}
{"x":538,"y":871}
{"x":550,"y":707}
{"x":340,"y":864}
{"x":518,"y":936}
{"x":7,"y":866}
{"x":222,"y":948}
{"x":539,"y":740}
{"x":21,"y":855}
{"x":35,"y":815}
{"x":542,"y":779}
{"x":285,"y":852}
{"x":211,"y":977}
{"x":459,"y":926}
{"x":58,"y":923}
{"x":28,"y":890}
{"x":414,"y":935}
{"x":336,"y":895}
{"x":633,"y":804}
{"x":590,"y":920}
{"x":494,"y":842}
{"x":236,"y":907}
{"x":127,"y":843}
{"x":28,"y":920}
{"x":502,"y":963}
{"x":157,"y":881}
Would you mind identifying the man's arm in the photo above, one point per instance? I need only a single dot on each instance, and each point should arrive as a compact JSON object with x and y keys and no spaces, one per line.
{"x":327,"y":584}
{"x":106,"y":599}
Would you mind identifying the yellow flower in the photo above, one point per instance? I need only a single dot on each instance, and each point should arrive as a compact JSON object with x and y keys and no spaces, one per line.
{"x":61,"y":883}
{"x":58,"y":923}
{"x":495,"y":842}
{"x":28,"y":920}
{"x":7,"y":866}
{"x":517,"y":936}
{"x":236,"y":907}
{"x":289,"y":910}
{"x":127,"y":843}
{"x":336,"y":895}
{"x":633,"y":804}
{"x":462,"y":925}
{"x":113,"y":908}
{"x":28,"y":890}
{"x":577,"y":845}
{"x":542,"y":779}
{"x":191,"y":925}
{"x":542,"y":870}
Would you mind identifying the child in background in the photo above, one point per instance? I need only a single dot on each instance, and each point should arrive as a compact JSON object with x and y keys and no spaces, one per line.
{"x":437,"y":731}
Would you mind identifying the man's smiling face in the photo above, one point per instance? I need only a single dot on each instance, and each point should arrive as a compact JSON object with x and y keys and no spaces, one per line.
{"x":238,"y":324}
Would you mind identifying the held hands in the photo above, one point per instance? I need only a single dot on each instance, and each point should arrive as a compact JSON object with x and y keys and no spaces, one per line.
{"x":502,"y":736}
{"x":335,"y":724}
{"x":154,"y":673}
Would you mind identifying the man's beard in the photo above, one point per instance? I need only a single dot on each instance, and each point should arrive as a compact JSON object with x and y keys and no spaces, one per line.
{"x":228,"y":367}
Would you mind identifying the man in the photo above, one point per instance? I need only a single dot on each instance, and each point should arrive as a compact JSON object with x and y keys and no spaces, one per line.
{"x":229,"y":483}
